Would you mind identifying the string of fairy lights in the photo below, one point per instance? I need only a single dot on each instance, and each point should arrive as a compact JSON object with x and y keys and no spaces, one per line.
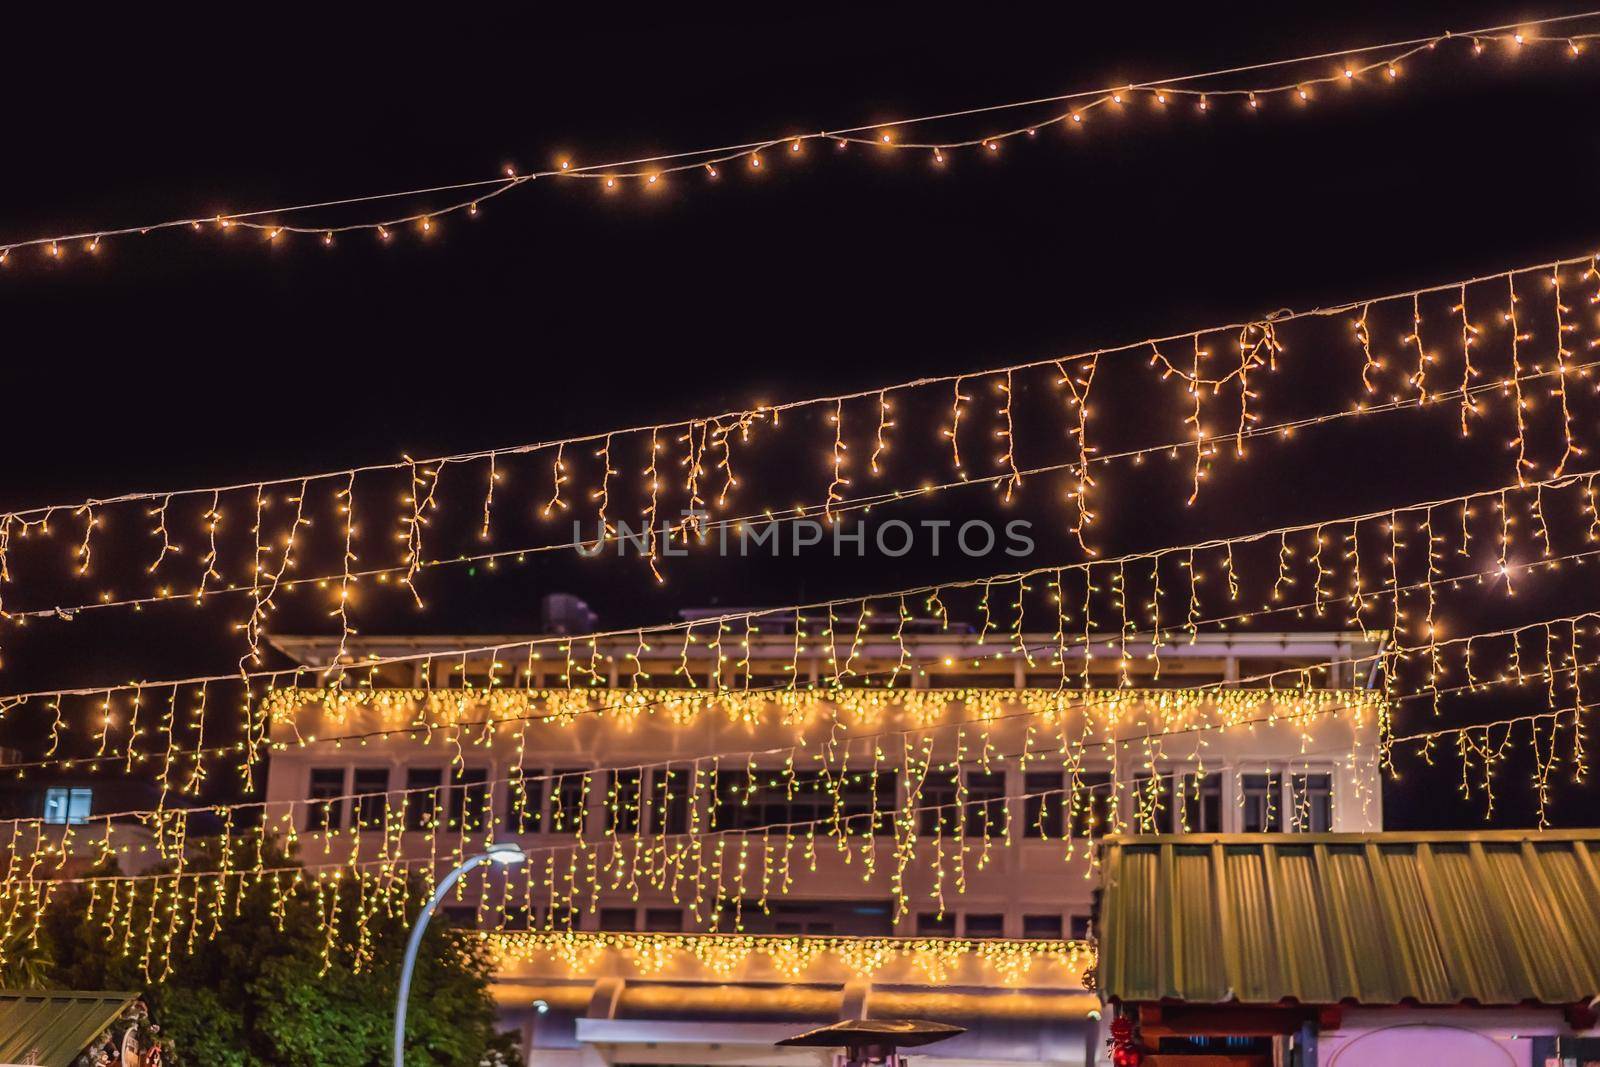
{"x":269,"y":557}
{"x":1303,"y":556}
{"x":1516,"y":647}
{"x":1296,"y":709}
{"x":513,"y":704}
{"x":924,"y":708}
{"x":386,"y":877}
{"x":707,"y":852}
{"x":1169,"y":713}
{"x":836,"y":701}
{"x":1201,"y":94}
{"x":793,"y":956}
{"x":721,"y":528}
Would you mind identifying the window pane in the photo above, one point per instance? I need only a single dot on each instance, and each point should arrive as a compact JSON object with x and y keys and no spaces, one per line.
{"x":663,"y":920}
{"x":986,"y":805}
{"x":986,"y":925}
{"x":622,"y":802}
{"x":770,"y":799}
{"x":78,"y":806}
{"x":1202,"y":803}
{"x":1044,"y":810}
{"x":371,"y":789}
{"x":669,"y":802}
{"x":569,"y":803}
{"x":469,"y":800}
{"x":1263,"y":803}
{"x":933,"y":924}
{"x":56,"y":804}
{"x":325,"y":810}
{"x":1046,"y":927}
{"x":868,"y":800}
{"x":422,"y":797}
{"x":1091,"y":804}
{"x":525,"y":805}
{"x":1313,"y":802}
{"x":1151,"y":804}
{"x":618,"y":919}
{"x":936,"y":803}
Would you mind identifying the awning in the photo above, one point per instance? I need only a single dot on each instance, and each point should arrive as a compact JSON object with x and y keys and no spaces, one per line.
{"x":50,"y":1028}
{"x":1494,"y":918}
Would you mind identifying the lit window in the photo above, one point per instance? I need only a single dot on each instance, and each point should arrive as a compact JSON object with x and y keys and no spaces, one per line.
{"x":66,"y":807}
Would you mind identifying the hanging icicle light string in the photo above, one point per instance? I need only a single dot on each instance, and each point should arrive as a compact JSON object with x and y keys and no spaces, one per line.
{"x":717,"y":871}
{"x":254,"y":539}
{"x":1511,"y":518}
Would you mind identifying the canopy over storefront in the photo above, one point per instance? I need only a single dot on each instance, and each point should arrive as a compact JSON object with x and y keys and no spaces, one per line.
{"x":51,"y":1028}
{"x":1274,"y":921}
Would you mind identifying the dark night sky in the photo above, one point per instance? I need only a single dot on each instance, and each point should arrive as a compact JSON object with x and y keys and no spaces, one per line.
{"x":179,"y":360}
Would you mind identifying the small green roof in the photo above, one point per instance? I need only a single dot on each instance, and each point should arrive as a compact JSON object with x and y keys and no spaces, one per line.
{"x":1494,"y":918}
{"x":50,"y":1027}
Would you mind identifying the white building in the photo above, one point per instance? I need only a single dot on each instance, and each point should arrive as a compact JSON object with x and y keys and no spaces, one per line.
{"x":858,"y":870}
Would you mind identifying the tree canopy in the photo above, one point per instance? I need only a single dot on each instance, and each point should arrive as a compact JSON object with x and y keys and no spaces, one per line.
{"x":254,"y":994}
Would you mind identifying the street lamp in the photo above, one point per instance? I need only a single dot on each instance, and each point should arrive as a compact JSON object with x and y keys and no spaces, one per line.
{"x":505,"y":853}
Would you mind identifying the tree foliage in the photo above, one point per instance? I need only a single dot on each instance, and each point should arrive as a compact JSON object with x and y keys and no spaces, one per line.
{"x":254,"y":995}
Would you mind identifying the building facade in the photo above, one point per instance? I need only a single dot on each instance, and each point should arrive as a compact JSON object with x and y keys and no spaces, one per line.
{"x":745,"y":834}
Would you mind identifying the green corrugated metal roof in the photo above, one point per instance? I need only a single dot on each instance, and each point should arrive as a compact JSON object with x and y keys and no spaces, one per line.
{"x":1492,"y":918}
{"x":50,"y":1028}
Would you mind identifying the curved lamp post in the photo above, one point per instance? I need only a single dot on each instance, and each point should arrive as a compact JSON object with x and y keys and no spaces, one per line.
{"x":505,"y":853}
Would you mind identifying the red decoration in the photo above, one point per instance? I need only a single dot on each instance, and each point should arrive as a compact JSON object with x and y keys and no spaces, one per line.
{"x":1125,"y":1051}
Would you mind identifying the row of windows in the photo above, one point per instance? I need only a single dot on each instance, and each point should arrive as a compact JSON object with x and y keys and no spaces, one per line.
{"x":993,"y":924}
{"x":975,"y":804}
{"x":857,"y":918}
